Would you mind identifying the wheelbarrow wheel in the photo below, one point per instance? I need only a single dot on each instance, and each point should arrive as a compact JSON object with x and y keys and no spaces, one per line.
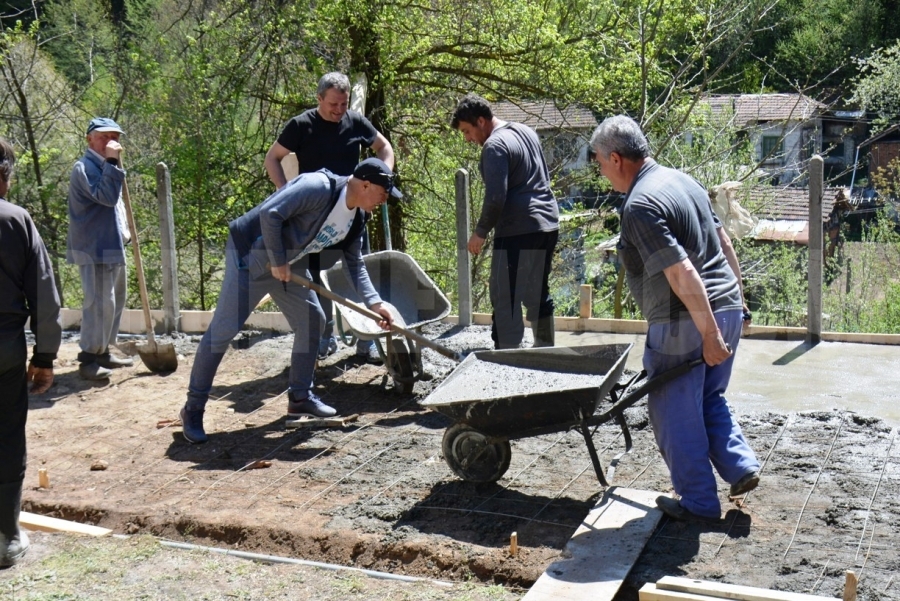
{"x":401,"y":366}
{"x":471,"y":457}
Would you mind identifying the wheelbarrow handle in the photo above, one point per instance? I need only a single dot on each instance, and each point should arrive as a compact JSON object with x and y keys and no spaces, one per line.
{"x":422,"y":340}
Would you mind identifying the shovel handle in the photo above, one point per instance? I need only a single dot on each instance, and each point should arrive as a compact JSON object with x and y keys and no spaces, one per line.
{"x":422,"y":340}
{"x":138,"y":265}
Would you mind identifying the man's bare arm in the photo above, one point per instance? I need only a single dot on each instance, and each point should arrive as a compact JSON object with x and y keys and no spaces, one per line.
{"x":273,"y":164}
{"x":687,"y":285}
{"x":383,"y":150}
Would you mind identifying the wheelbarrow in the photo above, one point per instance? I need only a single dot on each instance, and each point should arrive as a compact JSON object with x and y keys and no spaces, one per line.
{"x":400,"y":281}
{"x":497,"y":396}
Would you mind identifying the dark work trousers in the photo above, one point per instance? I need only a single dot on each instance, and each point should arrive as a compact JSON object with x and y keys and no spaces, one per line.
{"x":520,"y":270}
{"x":13,"y":407}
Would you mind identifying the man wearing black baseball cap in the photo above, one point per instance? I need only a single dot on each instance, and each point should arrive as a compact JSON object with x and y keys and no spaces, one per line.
{"x":314,"y":214}
{"x":98,"y":232}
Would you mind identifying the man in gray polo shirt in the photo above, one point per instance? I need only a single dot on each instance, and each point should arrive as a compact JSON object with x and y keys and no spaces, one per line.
{"x":683,"y":273}
{"x":519,"y":206}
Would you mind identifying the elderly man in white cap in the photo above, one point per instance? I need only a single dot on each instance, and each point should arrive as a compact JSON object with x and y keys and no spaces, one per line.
{"x":98,"y":233}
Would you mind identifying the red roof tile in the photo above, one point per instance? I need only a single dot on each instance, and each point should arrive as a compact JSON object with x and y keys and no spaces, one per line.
{"x":772,"y":202}
{"x":545,"y":115}
{"x":757,"y":108}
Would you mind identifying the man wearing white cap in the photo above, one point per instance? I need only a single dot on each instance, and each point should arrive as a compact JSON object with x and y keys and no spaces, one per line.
{"x":98,"y":232}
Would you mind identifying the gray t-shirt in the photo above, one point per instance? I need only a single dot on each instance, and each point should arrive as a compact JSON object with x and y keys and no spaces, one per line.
{"x":666,"y":218}
{"x":517,"y":195}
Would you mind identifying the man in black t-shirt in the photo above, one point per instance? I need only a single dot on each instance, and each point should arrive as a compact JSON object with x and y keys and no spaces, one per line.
{"x":329,"y":136}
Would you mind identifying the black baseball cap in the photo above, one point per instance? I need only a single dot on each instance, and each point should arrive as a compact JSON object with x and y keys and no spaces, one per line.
{"x":376,"y":171}
{"x":103,"y":124}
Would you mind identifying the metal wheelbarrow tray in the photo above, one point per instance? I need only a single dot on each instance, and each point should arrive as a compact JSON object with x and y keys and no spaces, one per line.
{"x":497,"y":396}
{"x":400,"y":281}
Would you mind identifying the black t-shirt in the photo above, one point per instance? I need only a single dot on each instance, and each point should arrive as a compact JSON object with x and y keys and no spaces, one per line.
{"x":324,"y":144}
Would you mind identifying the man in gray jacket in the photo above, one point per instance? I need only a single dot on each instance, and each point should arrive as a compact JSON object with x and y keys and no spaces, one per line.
{"x":98,"y":232}
{"x":519,"y":206}
{"x":314,"y":213}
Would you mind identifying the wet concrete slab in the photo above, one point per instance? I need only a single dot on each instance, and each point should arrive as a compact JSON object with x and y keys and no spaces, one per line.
{"x":786,"y":376}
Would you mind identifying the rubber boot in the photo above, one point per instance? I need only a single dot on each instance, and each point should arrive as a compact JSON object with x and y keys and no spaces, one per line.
{"x":544,"y":332}
{"x":13,"y":541}
{"x":90,"y":369}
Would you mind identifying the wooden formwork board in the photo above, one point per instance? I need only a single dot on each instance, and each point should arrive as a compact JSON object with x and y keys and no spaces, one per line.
{"x":602,"y":551}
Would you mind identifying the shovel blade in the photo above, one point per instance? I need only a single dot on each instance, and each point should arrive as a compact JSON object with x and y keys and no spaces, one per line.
{"x":158,"y":358}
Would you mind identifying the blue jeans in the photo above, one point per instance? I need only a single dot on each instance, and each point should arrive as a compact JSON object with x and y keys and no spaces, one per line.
{"x":694,"y":428}
{"x":239,"y":296}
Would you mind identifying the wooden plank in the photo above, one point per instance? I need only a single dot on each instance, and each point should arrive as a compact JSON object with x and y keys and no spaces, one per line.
{"x":720,"y":590}
{"x":603,"y":549}
{"x":650,"y":592}
{"x":34,"y":521}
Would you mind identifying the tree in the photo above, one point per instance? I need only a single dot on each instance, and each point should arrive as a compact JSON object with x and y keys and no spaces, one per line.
{"x":36,"y":114}
{"x":877,"y":87}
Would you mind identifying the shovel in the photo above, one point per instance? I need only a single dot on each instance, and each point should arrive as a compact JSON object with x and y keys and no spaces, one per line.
{"x":157,"y":357}
{"x":422,"y":340}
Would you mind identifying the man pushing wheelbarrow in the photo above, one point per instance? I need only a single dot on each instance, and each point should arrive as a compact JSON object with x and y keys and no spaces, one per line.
{"x":683,"y":272}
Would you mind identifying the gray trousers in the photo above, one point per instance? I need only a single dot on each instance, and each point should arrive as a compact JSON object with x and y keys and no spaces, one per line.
{"x":239,"y":296}
{"x":104,"y":299}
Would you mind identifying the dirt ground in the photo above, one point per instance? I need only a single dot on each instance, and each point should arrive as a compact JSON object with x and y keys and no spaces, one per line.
{"x":377,"y":494}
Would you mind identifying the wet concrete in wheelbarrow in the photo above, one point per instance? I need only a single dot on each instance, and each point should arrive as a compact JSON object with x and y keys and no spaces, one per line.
{"x":378,"y":494}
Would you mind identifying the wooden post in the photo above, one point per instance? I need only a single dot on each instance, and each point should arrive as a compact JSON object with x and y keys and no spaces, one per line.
{"x":172,"y":310}
{"x":463,"y":258}
{"x":586,"y":293}
{"x":850,"y":586}
{"x":816,"y":256}
{"x":620,"y":288}
{"x":514,"y":544}
{"x":43,"y":478}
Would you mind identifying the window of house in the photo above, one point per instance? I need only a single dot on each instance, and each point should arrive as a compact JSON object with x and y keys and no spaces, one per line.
{"x":772,"y":148}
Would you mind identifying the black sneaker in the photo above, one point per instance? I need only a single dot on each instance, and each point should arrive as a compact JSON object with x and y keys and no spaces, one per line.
{"x":311,"y":406}
{"x":744,"y":485}
{"x":192,"y":425}
{"x":675,"y":510}
{"x":327,"y":346}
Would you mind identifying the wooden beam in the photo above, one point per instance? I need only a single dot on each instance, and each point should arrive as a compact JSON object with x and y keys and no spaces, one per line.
{"x":720,"y":590}
{"x":34,"y":521}
{"x":603,"y":550}
{"x":650,"y":592}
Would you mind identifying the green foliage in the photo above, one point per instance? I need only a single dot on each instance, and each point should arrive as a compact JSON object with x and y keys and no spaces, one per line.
{"x":877,"y":87}
{"x":37,"y":120}
{"x":775,"y":282}
{"x":206,"y":87}
{"x":866,"y":297}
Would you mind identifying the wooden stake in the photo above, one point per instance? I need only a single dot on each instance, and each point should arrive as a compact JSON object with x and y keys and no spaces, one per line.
{"x":850,"y":586}
{"x":514,"y":544}
{"x":43,"y":478}
{"x":585,"y":297}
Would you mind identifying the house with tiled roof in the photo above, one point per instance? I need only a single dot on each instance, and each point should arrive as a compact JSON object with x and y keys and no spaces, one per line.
{"x":564,"y":130}
{"x":788,"y":129}
{"x":783,"y":213}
